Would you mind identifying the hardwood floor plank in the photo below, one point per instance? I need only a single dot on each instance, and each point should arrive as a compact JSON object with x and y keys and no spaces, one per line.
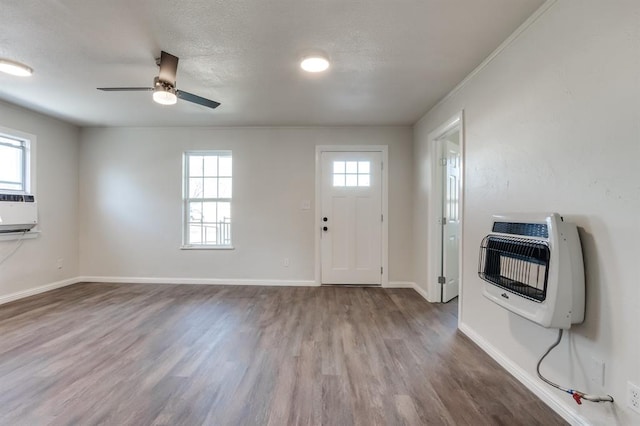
{"x":140,"y":354}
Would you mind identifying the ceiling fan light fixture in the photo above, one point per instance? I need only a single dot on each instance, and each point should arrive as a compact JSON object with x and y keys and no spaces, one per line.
{"x":8,"y":66}
{"x":164,"y":94}
{"x":316,"y":62}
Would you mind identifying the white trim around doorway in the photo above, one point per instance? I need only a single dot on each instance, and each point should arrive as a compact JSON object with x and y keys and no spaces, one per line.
{"x":435,"y":210}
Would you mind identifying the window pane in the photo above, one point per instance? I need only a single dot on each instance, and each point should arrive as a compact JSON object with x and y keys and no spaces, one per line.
{"x":352,"y":180}
{"x":363,"y":167}
{"x":195,"y":236}
{"x":224,"y":212}
{"x":11,"y":164}
{"x":225,"y":188}
{"x":195,"y":165}
{"x":11,"y":186}
{"x":195,"y":188}
{"x":338,"y":180}
{"x":210,"y":188}
{"x":224,"y":168}
{"x":209,"y":212}
{"x":211,"y":165}
{"x":195,"y":211}
{"x":338,"y":167}
{"x":224,"y":223}
{"x":352,"y":167}
{"x":363,"y":180}
{"x":211,"y":234}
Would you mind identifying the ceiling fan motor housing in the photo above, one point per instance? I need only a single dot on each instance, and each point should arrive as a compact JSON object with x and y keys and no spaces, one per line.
{"x":164,"y":86}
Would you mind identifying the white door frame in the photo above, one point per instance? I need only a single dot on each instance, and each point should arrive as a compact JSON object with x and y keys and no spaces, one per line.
{"x":384,"y":150}
{"x":435,"y":211}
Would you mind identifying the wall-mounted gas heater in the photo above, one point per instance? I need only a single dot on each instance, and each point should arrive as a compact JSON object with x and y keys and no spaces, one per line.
{"x":532,"y":265}
{"x":18,"y":213}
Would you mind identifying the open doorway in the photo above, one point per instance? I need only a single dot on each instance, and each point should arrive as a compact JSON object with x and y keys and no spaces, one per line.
{"x":445,"y":258}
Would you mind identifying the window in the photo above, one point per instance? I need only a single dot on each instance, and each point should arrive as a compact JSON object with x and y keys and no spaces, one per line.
{"x":207,"y":199}
{"x":351,"y":173}
{"x":14,"y":164}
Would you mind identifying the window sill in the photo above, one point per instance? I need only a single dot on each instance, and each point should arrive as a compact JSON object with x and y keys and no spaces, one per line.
{"x":12,"y":236}
{"x":207,"y":248}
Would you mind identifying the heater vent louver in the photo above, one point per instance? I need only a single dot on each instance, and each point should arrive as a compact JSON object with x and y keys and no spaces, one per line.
{"x":527,"y":229}
{"x":518,"y":265}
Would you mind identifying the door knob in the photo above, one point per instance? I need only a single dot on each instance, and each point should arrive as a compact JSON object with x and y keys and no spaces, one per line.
{"x":324,"y":228}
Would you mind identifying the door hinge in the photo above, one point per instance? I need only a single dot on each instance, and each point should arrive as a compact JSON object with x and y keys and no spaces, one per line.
{"x":444,"y":220}
{"x":381,"y":218}
{"x":381,"y":270}
{"x":441,"y":280}
{"x":443,"y":161}
{"x":381,"y":166}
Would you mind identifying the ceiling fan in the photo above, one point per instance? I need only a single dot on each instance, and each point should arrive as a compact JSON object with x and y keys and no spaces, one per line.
{"x":164,"y":85}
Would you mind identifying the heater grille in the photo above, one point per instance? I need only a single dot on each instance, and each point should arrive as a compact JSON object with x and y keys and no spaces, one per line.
{"x":518,"y":265}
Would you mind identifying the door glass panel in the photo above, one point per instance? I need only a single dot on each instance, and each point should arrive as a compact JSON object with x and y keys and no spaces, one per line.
{"x":352,"y":173}
{"x":352,"y":180}
{"x":352,"y":167}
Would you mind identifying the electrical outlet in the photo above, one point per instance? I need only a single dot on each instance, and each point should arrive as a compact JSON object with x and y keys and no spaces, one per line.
{"x":60,"y":263}
{"x":633,"y":397}
{"x":285,"y":262}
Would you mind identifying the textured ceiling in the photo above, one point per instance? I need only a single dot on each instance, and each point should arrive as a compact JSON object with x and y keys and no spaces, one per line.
{"x":391,"y":60}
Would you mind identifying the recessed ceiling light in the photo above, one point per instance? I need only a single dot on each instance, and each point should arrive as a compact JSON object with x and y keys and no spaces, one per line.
{"x":315,"y":63}
{"x":15,"y":68}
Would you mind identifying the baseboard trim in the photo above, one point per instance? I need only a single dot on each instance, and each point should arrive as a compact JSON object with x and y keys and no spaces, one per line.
{"x":422,"y":292}
{"x":399,"y":284}
{"x":540,"y":390}
{"x":37,"y":290}
{"x":198,"y":281}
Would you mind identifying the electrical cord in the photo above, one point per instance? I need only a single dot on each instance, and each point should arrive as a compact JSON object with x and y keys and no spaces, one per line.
{"x":15,"y":248}
{"x":577,"y":395}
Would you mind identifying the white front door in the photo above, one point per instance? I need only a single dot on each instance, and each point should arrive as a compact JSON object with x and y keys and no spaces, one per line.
{"x":351,"y":222}
{"x":451,"y":220}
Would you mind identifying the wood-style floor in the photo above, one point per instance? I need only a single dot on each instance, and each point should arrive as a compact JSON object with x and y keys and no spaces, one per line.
{"x":129,"y":354}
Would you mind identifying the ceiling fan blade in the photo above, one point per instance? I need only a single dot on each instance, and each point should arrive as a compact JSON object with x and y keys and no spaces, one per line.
{"x":168,"y":67}
{"x":197,"y":99}
{"x":125,"y":89}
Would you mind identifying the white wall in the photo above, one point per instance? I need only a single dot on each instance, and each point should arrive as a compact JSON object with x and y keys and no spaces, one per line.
{"x":130,"y":194}
{"x":34,"y":264}
{"x":553,"y":124}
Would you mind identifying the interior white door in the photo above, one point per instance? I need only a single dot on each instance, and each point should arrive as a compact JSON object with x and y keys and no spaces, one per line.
{"x":451,"y":221}
{"x":351,"y":222}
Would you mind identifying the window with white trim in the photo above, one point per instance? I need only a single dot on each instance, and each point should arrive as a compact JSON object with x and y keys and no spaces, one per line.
{"x":14,"y":164}
{"x":207,"y":199}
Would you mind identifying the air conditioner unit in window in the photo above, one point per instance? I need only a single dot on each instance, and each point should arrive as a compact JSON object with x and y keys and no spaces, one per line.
{"x":18,"y":213}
